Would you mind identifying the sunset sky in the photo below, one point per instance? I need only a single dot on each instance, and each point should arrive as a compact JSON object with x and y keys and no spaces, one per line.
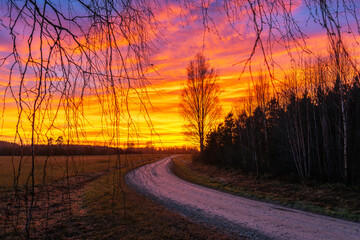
{"x":183,"y":37}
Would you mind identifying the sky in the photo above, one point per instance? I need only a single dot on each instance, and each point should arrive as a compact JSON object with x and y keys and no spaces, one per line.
{"x":224,"y":49}
{"x":182,"y":36}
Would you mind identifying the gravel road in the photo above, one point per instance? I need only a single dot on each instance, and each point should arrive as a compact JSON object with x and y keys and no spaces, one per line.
{"x":253,"y":219}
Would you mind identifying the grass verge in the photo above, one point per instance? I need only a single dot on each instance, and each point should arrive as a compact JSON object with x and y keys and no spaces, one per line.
{"x":336,"y":200}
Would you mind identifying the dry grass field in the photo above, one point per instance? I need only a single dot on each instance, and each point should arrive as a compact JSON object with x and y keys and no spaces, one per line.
{"x":88,"y":200}
{"x":55,"y":167}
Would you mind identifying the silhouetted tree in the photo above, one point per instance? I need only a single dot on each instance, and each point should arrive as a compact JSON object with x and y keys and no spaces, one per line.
{"x":199,"y":104}
{"x":60,"y":140}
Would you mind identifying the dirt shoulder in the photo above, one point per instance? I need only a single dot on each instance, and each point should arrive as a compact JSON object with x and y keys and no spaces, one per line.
{"x":336,"y":200}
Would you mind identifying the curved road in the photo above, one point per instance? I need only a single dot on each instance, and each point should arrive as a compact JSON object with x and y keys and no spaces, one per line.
{"x":235,"y":213}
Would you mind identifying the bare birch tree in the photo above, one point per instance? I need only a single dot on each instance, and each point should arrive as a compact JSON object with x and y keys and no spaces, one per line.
{"x":61,"y":52}
{"x":200,"y":105}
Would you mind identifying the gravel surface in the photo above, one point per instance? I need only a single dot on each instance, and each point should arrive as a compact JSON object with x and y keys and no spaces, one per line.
{"x":241,"y":216}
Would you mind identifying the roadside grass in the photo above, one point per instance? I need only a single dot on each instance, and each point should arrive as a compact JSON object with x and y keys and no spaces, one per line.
{"x":336,"y":200}
{"x":102,"y":206}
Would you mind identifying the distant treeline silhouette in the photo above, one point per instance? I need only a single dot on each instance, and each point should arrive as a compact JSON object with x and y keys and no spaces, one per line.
{"x":9,"y":149}
{"x":315,"y":134}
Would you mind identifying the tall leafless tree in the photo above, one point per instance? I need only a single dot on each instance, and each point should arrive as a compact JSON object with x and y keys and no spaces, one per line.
{"x":200,"y":105}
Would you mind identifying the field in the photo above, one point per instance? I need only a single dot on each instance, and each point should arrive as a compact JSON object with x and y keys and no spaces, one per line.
{"x":55,"y":167}
{"x":86,"y":197}
{"x":336,"y":200}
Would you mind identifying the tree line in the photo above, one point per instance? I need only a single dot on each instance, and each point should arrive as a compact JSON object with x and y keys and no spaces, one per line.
{"x":60,"y":149}
{"x":308,"y":125}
